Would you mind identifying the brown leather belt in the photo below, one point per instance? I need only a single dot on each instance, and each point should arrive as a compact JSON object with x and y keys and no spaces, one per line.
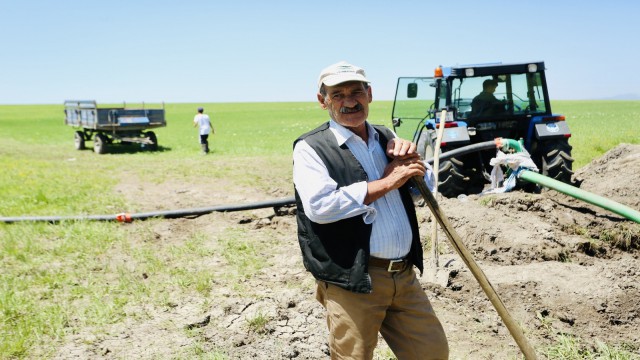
{"x":389,"y":265}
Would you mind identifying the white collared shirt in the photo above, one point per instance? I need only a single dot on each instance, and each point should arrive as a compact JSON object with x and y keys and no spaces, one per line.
{"x":325,"y":203}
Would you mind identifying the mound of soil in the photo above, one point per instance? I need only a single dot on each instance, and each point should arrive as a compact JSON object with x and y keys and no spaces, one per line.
{"x":562,"y":267}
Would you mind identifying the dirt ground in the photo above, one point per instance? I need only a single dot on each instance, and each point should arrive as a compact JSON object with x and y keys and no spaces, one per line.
{"x":562,"y":267}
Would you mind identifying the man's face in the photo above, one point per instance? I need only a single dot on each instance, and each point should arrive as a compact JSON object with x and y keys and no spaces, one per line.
{"x":347,"y":103}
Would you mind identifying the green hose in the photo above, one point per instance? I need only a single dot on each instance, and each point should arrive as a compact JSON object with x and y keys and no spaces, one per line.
{"x":585,"y":196}
{"x":510,"y":143}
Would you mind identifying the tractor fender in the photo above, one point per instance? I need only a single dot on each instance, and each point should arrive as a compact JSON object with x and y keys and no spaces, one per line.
{"x":456,"y":136}
{"x":552,"y":130}
{"x":546,"y":128}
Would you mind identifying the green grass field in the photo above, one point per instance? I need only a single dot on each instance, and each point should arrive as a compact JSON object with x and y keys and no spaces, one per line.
{"x":43,"y":174}
{"x":40,"y":163}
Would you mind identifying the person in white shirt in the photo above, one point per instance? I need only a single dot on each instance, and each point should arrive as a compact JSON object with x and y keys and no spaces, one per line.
{"x":202,"y":121}
{"x":357,"y":226}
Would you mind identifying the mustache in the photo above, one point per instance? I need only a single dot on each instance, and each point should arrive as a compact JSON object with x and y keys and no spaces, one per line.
{"x":347,"y":110}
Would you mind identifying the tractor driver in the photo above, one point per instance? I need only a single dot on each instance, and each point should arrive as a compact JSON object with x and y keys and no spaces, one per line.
{"x":485,"y":103}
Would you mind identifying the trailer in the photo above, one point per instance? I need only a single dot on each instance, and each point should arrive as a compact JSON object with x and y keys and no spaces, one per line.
{"x":109,"y":125}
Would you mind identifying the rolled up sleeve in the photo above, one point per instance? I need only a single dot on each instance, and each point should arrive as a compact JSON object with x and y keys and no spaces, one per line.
{"x":321,"y":198}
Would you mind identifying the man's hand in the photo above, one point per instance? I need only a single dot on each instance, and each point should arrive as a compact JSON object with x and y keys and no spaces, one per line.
{"x":396,"y":173}
{"x":403,"y":168}
{"x":397,"y":147}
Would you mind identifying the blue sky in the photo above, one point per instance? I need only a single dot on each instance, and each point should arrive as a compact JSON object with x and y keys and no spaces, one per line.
{"x":247,"y":51}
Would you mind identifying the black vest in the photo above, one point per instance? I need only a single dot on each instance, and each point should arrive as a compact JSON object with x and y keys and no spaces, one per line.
{"x":338,"y":252}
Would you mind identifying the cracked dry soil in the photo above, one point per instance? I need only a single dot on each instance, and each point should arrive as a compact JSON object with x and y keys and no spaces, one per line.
{"x":560,"y":265}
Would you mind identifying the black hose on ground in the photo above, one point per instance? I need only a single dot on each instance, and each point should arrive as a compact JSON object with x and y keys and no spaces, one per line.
{"x":168,"y":214}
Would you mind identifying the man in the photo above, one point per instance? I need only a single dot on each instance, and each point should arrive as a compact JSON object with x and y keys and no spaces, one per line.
{"x":357,"y":226}
{"x":485,"y":103}
{"x":202,"y":121}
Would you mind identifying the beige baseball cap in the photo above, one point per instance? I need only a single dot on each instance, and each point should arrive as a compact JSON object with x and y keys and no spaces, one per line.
{"x":339,"y":73}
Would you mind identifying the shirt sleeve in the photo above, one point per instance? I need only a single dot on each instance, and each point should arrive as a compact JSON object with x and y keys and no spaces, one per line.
{"x":323,"y":202}
{"x":429,"y":177}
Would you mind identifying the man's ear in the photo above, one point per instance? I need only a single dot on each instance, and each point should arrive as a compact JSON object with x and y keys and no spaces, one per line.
{"x":321,"y":101}
{"x":370,"y":94}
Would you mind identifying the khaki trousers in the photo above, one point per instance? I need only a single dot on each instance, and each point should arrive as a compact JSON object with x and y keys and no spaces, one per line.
{"x":398,"y":308}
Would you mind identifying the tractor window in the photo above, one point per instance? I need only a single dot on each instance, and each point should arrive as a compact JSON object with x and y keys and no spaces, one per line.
{"x":514,"y":94}
{"x":441,"y":96}
{"x":527,"y":93}
{"x":464,"y":90}
{"x":414,"y":99}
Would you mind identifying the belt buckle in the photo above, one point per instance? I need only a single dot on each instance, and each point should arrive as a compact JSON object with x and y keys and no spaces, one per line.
{"x":391,"y":263}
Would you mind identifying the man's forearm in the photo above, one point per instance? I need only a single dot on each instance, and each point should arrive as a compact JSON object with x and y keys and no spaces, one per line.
{"x":377,"y":189}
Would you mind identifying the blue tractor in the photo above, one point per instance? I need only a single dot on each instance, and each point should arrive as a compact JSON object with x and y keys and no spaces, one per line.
{"x":483,"y":102}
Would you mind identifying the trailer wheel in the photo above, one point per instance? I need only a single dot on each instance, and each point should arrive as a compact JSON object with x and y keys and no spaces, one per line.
{"x":100,"y":144}
{"x":154,"y":139}
{"x":79,"y":140}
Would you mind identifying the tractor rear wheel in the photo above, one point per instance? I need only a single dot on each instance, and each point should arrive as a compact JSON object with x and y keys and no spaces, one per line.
{"x":454,"y":176}
{"x":556,"y":160}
